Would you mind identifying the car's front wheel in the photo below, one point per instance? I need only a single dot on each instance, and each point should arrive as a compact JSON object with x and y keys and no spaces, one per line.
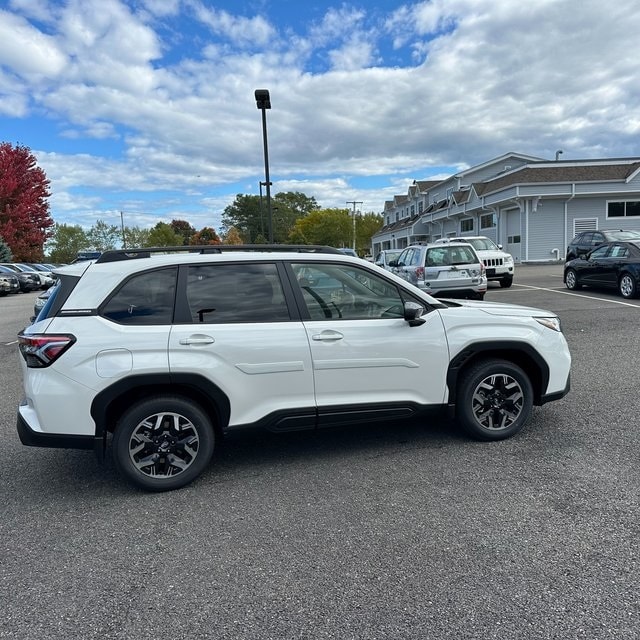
{"x":506,"y":282}
{"x":627,"y":286}
{"x":163,"y":443}
{"x":494,"y":400}
{"x":571,"y":280}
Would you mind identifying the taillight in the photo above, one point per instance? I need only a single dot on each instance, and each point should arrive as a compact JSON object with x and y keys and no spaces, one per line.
{"x":420,"y":273}
{"x":42,"y":350}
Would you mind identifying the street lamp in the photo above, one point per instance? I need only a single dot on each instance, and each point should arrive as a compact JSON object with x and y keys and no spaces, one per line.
{"x":263,"y":102}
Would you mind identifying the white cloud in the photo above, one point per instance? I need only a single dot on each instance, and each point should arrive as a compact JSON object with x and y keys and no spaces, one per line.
{"x":486,"y":78}
{"x":27,"y":51}
{"x":254,"y":31}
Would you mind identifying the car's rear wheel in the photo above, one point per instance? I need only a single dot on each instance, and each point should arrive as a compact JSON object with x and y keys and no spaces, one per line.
{"x":163,"y":443}
{"x":627,"y":286}
{"x":494,"y":400}
{"x":571,"y":280}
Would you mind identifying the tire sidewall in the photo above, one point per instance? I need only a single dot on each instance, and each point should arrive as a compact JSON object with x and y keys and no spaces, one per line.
{"x":468,"y":384}
{"x":574,"y":275}
{"x":131,"y":418}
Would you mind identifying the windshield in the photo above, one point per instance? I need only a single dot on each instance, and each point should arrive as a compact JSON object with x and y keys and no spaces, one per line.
{"x":482,"y":244}
{"x":624,"y":235}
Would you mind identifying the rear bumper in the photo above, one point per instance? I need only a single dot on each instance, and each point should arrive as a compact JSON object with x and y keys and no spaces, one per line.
{"x":31,"y":438}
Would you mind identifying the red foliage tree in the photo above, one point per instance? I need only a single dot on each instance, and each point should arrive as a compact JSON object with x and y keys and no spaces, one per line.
{"x":25,"y":223}
{"x":206,"y":235}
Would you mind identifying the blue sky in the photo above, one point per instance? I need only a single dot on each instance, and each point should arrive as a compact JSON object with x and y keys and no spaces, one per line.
{"x":147,"y":106}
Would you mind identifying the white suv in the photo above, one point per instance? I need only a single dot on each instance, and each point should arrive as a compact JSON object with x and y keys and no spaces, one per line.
{"x":498,"y":263}
{"x":166,"y":350}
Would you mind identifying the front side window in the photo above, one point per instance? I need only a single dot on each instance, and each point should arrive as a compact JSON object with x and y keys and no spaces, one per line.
{"x":600,"y":252}
{"x":144,"y":299}
{"x":226,"y":293}
{"x":332,"y":291}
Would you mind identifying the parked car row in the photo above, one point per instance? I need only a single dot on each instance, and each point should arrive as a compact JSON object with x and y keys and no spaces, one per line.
{"x":30,"y":276}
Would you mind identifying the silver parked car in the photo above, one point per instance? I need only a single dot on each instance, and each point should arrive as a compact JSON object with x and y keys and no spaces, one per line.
{"x":385,"y":256}
{"x":451,"y":270}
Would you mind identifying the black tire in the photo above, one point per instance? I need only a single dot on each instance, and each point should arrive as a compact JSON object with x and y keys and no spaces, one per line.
{"x":494,"y":400}
{"x":163,"y":443}
{"x":627,"y":286}
{"x":571,"y":280}
{"x":506,"y":282}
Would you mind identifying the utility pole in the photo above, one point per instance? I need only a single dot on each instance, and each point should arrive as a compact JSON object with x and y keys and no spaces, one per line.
{"x":354,"y":203}
{"x":124,"y":239}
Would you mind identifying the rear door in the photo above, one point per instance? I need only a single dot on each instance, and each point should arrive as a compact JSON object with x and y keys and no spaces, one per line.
{"x":234,"y":326}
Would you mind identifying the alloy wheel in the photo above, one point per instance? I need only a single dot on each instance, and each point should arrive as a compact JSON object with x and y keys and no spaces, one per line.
{"x":497,"y":402}
{"x":163,"y":445}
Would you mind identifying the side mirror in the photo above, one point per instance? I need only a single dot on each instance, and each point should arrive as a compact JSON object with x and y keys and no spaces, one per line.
{"x":500,"y":247}
{"x":393,"y":263}
{"x":413,"y":314}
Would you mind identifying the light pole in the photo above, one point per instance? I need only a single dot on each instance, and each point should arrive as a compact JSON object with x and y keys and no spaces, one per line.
{"x":263,"y":102}
{"x":262,"y":184}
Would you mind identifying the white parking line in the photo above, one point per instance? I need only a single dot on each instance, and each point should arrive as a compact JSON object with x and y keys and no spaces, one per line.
{"x":578,"y":295}
{"x":8,"y":344}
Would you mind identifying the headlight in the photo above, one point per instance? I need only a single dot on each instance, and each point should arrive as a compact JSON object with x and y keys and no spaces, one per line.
{"x":508,"y":259}
{"x":552,"y":322}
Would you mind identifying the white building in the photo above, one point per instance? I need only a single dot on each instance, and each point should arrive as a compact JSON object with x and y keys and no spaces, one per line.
{"x":533,"y":207}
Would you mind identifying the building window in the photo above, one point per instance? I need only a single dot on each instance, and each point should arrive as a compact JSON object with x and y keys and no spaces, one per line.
{"x":488,"y":221}
{"x":466,"y":225}
{"x":513,"y":240}
{"x":397,"y":216}
{"x":623,"y":209}
{"x":420,"y":206}
{"x":413,"y":209}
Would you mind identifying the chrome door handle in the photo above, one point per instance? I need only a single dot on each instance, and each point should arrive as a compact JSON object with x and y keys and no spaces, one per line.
{"x":327,"y":336}
{"x":197,"y":339}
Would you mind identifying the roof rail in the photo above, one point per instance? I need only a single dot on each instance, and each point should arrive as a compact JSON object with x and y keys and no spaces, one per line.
{"x":118,"y":255}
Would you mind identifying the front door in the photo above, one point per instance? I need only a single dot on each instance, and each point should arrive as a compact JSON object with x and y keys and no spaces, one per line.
{"x":365,"y":355}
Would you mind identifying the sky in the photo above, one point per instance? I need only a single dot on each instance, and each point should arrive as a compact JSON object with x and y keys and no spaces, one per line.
{"x":144,"y":110}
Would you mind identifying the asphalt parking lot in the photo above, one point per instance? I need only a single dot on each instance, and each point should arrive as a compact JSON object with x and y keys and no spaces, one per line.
{"x":392,"y":531}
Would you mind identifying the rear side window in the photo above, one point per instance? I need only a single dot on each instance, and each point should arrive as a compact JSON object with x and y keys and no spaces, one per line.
{"x":146,"y":298}
{"x":226,"y":293}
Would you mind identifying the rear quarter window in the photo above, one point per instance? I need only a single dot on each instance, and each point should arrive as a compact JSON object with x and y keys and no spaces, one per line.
{"x":144,"y":299}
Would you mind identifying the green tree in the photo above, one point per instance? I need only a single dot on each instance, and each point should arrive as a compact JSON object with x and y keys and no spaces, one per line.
{"x":103,"y":236}
{"x":324,"y":226}
{"x":184,"y":229}
{"x":162,"y":235}
{"x":25,"y":223}
{"x":5,"y":252}
{"x":66,"y":242}
{"x":250,"y":215}
{"x":136,"y":237}
{"x":367,"y":226}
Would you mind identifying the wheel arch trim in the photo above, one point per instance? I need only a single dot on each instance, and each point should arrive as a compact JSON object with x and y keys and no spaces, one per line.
{"x":109,"y":402}
{"x":519,"y":353}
